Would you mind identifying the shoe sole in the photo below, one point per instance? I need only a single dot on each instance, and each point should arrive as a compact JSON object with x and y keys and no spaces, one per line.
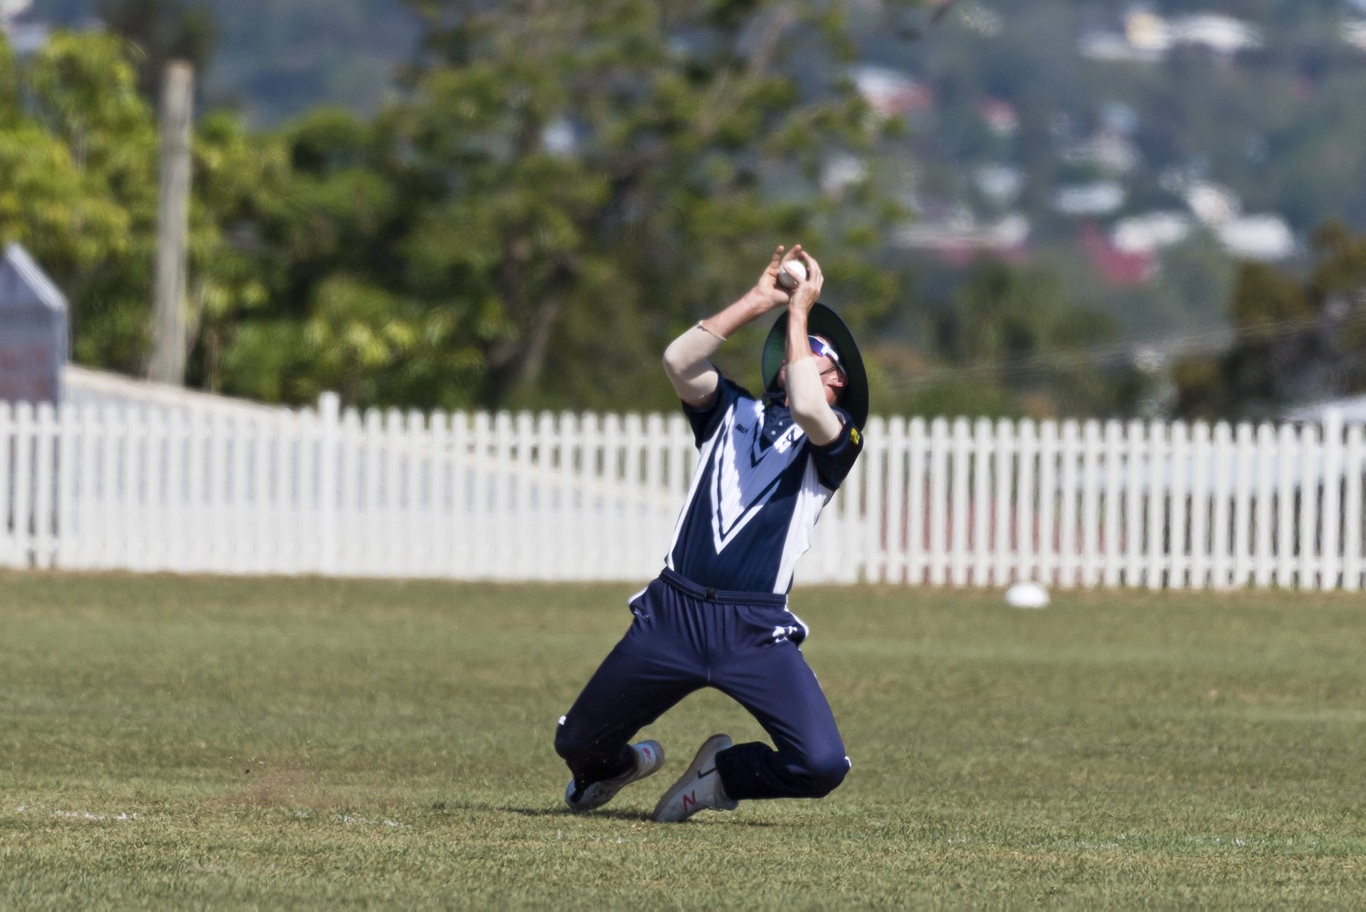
{"x":709,"y":749}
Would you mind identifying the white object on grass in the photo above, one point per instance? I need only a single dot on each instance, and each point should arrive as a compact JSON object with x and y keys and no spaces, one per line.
{"x":1027,"y":595}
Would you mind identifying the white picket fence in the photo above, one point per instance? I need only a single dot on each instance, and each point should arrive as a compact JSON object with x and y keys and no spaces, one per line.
{"x":585,"y":497}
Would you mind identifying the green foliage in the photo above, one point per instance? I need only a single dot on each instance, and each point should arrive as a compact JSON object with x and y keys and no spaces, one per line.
{"x":162,"y":31}
{"x":1200,"y":390}
{"x":1267,"y":303}
{"x":1296,"y":339}
{"x":551,"y":192}
{"x":175,"y":742}
{"x":237,"y":178}
{"x":1015,"y":343}
{"x":10,"y":87}
{"x":557,"y":193}
{"x":1338,"y":287}
{"x":1341,"y":267}
{"x":81,"y":156}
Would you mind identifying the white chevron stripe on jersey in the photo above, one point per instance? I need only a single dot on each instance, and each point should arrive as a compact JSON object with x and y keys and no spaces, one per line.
{"x":745,"y":473}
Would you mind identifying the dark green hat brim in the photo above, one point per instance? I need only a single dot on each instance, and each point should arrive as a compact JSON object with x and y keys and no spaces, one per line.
{"x":822,"y":322}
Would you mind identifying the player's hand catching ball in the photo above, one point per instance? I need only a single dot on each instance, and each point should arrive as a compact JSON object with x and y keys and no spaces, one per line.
{"x":804,"y":290}
{"x":786,"y":272}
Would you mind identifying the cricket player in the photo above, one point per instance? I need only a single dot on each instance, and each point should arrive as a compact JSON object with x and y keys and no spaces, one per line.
{"x":717,"y":614}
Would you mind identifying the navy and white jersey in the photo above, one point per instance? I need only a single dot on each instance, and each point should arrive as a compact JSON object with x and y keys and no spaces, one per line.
{"x":759,"y":488}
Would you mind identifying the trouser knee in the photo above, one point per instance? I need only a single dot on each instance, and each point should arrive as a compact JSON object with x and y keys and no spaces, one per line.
{"x":825,"y":774}
{"x":569,"y":740}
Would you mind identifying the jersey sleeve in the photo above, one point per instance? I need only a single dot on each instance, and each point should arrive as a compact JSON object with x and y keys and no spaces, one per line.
{"x":836,"y":459}
{"x":704,"y":420}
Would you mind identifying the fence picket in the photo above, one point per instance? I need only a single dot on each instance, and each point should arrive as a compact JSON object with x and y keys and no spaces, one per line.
{"x":1157,"y":521}
{"x":1179,"y":545}
{"x":1277,"y":449}
{"x":21,"y":491}
{"x":44,"y":478}
{"x":1330,"y":563}
{"x":1119,"y":521}
{"x":1308,"y":539}
{"x":889,"y":483}
{"x":959,"y":490}
{"x":918,"y":560}
{"x":459,"y":557}
{"x":1004,"y":477}
{"x":1353,"y":510}
{"x":1242,"y":507}
{"x":1020,"y":541}
{"x":1094,"y":455}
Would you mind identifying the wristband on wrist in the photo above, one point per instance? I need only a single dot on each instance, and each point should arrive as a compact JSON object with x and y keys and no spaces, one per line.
{"x":706,"y":329}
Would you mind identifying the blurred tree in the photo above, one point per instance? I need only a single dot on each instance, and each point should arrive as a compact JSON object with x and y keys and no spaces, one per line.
{"x":573,"y":183}
{"x":80,"y":152}
{"x":80,"y":155}
{"x":524,"y":229}
{"x":1295,"y":340}
{"x":162,"y":31}
{"x":1274,"y":337}
{"x":239,"y":182}
{"x":555,"y":189}
{"x":1015,"y":329}
{"x":322,"y":222}
{"x":1337,"y":287}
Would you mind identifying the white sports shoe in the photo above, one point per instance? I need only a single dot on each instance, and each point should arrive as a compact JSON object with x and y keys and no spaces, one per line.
{"x":649,"y":758}
{"x":699,"y":788}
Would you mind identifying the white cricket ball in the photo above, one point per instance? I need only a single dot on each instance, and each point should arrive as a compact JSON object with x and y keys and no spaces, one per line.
{"x":792,"y":274}
{"x":1027,"y":595}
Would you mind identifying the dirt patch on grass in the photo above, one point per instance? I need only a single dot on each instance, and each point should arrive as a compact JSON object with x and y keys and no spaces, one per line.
{"x":280,"y":788}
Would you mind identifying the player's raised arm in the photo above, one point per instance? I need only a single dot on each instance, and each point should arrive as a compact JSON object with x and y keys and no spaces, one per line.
{"x":814,"y":377}
{"x":687,"y":360}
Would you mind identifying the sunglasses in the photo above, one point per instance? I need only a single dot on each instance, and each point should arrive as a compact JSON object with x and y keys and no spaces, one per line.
{"x":821,"y":347}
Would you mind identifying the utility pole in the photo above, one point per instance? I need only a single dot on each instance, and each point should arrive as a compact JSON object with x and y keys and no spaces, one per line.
{"x":173,"y":226}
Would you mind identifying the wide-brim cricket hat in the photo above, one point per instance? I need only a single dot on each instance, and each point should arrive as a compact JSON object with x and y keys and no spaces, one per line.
{"x":823,"y":322}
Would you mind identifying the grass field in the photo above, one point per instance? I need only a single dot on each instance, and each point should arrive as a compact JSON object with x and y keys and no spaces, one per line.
{"x":208,"y":743}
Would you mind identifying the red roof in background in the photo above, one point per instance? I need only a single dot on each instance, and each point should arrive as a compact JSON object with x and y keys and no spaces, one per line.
{"x":1119,"y":268}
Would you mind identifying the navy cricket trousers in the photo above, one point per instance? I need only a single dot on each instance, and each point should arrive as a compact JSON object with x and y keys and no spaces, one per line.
{"x":746,"y":645}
